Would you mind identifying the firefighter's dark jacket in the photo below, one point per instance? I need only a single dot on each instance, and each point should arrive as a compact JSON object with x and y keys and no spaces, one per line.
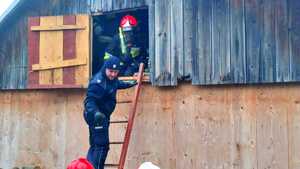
{"x":101,"y":97}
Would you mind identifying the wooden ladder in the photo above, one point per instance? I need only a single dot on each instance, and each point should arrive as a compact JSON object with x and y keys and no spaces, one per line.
{"x":130,"y":121}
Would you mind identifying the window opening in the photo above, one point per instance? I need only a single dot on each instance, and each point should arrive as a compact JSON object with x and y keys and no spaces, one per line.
{"x":109,"y":38}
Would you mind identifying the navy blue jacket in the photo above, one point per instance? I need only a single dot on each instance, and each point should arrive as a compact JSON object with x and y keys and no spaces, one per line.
{"x":101,"y":97}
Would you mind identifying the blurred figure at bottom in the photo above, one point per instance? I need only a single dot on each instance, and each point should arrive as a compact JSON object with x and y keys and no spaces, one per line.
{"x":148,"y":165}
{"x":80,"y":163}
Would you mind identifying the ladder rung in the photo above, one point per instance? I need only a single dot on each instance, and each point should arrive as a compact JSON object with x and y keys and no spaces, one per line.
{"x":116,"y":142}
{"x":121,"y":121}
{"x":145,"y":78}
{"x":111,"y":165}
{"x":124,"y":101}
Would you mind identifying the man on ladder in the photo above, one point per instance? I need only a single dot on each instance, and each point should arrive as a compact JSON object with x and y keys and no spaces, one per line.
{"x":99,"y":104}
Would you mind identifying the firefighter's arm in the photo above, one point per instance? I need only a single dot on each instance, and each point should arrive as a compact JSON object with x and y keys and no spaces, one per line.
{"x":125,"y":85}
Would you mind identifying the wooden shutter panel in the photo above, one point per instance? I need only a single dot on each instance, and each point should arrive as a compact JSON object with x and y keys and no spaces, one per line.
{"x":58,"y":51}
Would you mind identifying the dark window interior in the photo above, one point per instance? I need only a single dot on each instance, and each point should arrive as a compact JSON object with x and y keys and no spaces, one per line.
{"x":106,"y":25}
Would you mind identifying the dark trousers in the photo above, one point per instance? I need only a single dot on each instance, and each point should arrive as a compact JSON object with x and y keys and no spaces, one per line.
{"x":97,"y":155}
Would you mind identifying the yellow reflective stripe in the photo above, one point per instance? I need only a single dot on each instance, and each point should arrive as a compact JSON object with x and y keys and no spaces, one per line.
{"x":123,"y":47}
{"x":106,"y":56}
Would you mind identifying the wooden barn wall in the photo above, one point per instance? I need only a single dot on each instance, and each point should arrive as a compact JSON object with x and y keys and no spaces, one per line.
{"x":41,"y":128}
{"x":191,"y":127}
{"x":226,"y":41}
{"x":207,"y":42}
{"x":111,"y":5}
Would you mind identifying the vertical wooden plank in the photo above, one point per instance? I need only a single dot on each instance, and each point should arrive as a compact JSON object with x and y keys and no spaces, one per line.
{"x":164,"y":128}
{"x":253,"y":34}
{"x":25,"y":119}
{"x":272,"y":128}
{"x":58,"y":56}
{"x":189,"y":40}
{"x":33,"y":51}
{"x":220,"y":42}
{"x":45,"y":76}
{"x":23,"y":78}
{"x":51,"y":127}
{"x":69,"y":75}
{"x":294,"y":116}
{"x":5,"y":117}
{"x":176,"y":40}
{"x":235,"y":116}
{"x":69,"y":37}
{"x":140,"y":3}
{"x":69,"y":49}
{"x":294,"y":128}
{"x":294,"y":38}
{"x":282,"y":41}
{"x":268,"y":59}
{"x":83,"y":50}
{"x":76,"y":144}
{"x":154,"y":130}
{"x":202,"y":64}
{"x":246,"y":101}
{"x":110,"y":6}
{"x":214,"y":127}
{"x":151,"y":28}
{"x":162,"y":43}
{"x":51,"y":54}
{"x":107,"y":5}
{"x":214,"y":62}
{"x":117,"y":4}
{"x":185,"y":112}
{"x":101,"y":5}
{"x":237,"y":41}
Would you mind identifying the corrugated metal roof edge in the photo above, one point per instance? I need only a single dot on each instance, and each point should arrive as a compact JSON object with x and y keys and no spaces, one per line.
{"x":11,"y":7}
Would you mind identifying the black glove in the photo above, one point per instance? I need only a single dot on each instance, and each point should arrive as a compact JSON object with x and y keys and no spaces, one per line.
{"x":99,"y":120}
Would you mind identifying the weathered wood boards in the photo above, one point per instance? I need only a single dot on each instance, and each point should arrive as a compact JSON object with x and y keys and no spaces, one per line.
{"x":59,"y":51}
{"x":207,"y":42}
{"x":253,"y":127}
{"x":225,"y":42}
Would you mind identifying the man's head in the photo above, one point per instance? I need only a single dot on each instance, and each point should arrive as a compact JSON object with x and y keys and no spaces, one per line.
{"x":129,"y":25}
{"x":112,"y":67}
{"x":111,"y":74}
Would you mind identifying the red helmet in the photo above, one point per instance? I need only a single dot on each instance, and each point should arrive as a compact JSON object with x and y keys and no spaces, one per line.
{"x":127,"y":22}
{"x":80,"y":163}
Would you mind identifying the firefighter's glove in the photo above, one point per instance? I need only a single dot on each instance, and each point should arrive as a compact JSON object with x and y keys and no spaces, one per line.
{"x":99,"y":119}
{"x":133,"y":83}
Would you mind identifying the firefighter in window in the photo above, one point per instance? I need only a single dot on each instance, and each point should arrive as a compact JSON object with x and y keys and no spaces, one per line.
{"x":128,"y":46}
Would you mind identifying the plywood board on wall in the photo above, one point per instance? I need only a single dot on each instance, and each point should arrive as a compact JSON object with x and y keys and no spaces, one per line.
{"x":236,"y":127}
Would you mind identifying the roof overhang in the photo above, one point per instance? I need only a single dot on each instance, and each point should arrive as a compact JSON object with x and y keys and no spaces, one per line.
{"x":10,"y":9}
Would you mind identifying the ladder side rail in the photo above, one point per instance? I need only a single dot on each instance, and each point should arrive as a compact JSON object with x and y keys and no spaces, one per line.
{"x":131,"y":118}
